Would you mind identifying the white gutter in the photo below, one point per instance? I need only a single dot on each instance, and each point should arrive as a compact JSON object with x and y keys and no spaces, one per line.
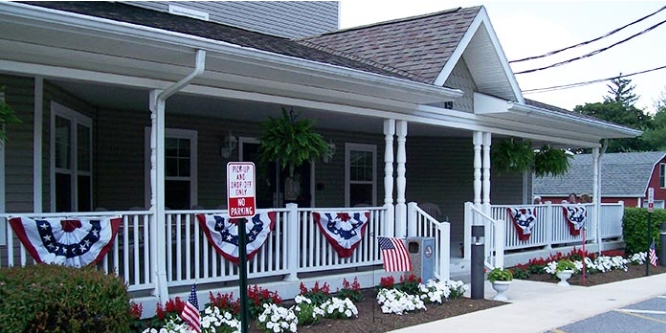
{"x":158,"y":173}
{"x":101,"y":26}
{"x":627,"y":132}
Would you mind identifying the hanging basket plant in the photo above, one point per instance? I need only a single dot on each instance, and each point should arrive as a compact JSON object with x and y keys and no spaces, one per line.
{"x":551,"y":161}
{"x":291,"y":142}
{"x":512,"y":155}
{"x":7,"y":116}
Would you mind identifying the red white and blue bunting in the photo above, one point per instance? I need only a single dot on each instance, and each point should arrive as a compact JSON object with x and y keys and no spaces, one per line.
{"x":222,"y":233}
{"x":575,"y":216}
{"x":524,"y":220}
{"x":71,"y":242}
{"x":343,"y":230}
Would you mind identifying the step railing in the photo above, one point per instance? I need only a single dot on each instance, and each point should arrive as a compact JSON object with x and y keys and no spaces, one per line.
{"x":421,"y":224}
{"x":494,"y":236}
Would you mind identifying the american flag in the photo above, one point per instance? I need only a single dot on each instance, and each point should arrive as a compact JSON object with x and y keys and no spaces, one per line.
{"x":191,"y":311}
{"x":653,"y":255}
{"x":394,"y":255}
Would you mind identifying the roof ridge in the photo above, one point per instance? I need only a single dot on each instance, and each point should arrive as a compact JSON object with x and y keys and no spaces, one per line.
{"x":367,"y":61}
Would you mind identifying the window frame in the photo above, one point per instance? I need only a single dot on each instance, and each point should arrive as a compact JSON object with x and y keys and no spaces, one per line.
{"x":662,"y":175}
{"x":76,"y":119}
{"x":349,"y":147}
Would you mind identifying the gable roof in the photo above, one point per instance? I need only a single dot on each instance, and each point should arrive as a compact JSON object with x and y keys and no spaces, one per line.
{"x":622,"y":175}
{"x":420,"y":45}
{"x":136,"y":15}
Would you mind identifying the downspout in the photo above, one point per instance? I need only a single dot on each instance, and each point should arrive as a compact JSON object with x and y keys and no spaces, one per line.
{"x":597,"y":153}
{"x":157,"y":174}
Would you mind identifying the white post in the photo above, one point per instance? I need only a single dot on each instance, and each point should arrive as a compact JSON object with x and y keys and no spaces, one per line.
{"x":292,"y":229}
{"x":467,"y":252}
{"x":157,"y":196}
{"x":401,"y":181}
{"x":596,"y":197}
{"x":389,"y":133}
{"x":549,"y":224}
{"x":38,"y":131}
{"x":500,"y":240}
{"x":486,"y":172}
{"x":412,"y":225}
{"x":476,"y":140}
{"x":445,"y":251}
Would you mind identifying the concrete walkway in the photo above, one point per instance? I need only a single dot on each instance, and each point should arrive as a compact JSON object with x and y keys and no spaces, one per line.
{"x":536,"y":307}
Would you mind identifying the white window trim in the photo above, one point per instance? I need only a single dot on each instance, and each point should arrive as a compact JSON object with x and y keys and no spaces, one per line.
{"x":76,"y":118}
{"x":662,"y":174}
{"x":192,"y":135}
{"x":361,"y":147}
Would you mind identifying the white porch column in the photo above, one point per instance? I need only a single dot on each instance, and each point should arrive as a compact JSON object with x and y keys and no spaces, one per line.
{"x":389,"y":132}
{"x":157,"y":196}
{"x":37,"y":146}
{"x":401,"y":181}
{"x":477,"y":140}
{"x":486,"y":172}
{"x":596,"y":197}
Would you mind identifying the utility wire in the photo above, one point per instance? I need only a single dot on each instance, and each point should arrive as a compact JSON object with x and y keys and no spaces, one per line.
{"x":584,"y":83}
{"x":588,"y":41}
{"x":591,"y":53}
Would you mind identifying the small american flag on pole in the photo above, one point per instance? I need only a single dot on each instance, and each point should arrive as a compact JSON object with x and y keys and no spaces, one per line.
{"x":394,"y":255}
{"x":653,"y":255}
{"x":191,"y":311}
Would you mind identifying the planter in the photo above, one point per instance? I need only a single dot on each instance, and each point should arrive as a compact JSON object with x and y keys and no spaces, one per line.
{"x":564,"y":276}
{"x":500,"y":287}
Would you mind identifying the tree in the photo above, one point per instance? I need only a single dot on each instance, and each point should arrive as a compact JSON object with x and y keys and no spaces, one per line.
{"x":616,"y":112}
{"x":655,"y":137}
{"x":621,"y":91}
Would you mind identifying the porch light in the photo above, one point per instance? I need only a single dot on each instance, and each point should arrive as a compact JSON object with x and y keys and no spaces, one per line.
{"x":328,"y":156}
{"x":228,"y":145}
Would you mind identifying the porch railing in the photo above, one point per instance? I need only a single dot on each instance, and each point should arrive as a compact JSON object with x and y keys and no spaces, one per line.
{"x":421,"y":224}
{"x":494,"y":235}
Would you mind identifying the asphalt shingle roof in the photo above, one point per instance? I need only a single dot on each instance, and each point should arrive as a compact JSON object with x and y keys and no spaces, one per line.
{"x":622,"y":174}
{"x":420,"y":45}
{"x":250,"y":39}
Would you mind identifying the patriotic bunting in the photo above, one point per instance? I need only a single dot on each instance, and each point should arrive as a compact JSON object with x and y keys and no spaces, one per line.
{"x":575,"y":217}
{"x":222,"y":233}
{"x":71,"y":242}
{"x":343,"y":230}
{"x":524,"y":220}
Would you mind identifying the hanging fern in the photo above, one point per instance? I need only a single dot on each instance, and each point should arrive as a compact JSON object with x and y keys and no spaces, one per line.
{"x":290,"y":142}
{"x":550,"y":161}
{"x":7,"y":116}
{"x":512,"y":155}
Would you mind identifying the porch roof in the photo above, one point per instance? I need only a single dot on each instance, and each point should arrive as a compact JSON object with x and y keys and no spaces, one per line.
{"x":622,"y":175}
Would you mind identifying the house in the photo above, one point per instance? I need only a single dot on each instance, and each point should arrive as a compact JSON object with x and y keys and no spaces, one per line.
{"x":624,"y":177}
{"x":132,"y":112}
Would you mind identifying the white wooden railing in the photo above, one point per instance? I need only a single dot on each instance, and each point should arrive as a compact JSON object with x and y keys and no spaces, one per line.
{"x":494,"y":236}
{"x":421,"y":224}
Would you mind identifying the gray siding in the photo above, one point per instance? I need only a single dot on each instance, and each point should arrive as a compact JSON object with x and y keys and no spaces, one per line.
{"x":292,"y":19}
{"x":461,"y":78}
{"x":18,"y":148}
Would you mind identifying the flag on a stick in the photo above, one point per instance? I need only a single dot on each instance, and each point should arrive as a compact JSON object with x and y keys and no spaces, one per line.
{"x":191,"y":311}
{"x":653,"y":255}
{"x":394,"y":255}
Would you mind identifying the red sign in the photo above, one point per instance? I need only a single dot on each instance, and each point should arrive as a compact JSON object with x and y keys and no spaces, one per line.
{"x":241,"y":189}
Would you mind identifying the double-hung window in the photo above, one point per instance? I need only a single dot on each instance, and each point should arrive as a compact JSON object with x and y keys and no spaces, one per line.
{"x":360,"y":174}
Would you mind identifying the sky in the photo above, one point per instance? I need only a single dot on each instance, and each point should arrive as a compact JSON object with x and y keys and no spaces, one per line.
{"x":530,"y":28}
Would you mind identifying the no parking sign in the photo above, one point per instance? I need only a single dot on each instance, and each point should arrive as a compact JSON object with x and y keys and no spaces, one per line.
{"x":241,"y":189}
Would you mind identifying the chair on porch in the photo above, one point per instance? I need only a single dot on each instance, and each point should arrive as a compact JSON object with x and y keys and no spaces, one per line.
{"x":432,"y":209}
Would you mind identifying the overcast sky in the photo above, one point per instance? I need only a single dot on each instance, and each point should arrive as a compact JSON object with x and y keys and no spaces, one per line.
{"x":528,"y":28}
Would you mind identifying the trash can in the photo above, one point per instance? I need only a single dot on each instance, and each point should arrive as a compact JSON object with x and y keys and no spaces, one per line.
{"x":422,"y":254}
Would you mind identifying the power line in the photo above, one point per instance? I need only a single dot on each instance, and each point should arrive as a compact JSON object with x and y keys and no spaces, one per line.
{"x":593,"y":52}
{"x":589,"y":41}
{"x":584,"y":83}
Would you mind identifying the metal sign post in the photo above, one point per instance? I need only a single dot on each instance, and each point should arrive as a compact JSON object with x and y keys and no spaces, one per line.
{"x":241,"y":189}
{"x":649,"y":227}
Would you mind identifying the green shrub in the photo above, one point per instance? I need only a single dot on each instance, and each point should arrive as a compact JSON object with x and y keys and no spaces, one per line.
{"x":51,"y":298}
{"x":634,"y":229}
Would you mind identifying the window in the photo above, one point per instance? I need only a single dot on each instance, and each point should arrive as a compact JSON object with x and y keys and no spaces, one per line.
{"x":360,"y":174}
{"x":71,"y":160}
{"x":662,"y":175}
{"x":180,"y":187}
{"x":658,"y":204}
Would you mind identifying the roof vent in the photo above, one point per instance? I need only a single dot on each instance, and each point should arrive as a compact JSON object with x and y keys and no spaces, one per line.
{"x":193,"y":13}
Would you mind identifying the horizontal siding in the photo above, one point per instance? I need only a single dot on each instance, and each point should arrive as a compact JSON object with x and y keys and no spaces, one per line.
{"x":19,"y":146}
{"x":292,"y":19}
